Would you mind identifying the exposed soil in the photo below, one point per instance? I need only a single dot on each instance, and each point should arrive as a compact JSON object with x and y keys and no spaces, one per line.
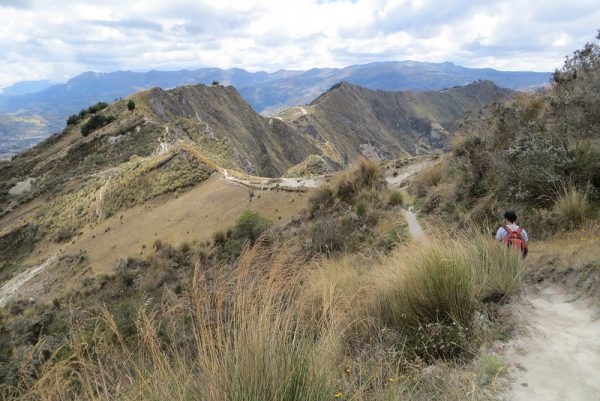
{"x":558,"y":358}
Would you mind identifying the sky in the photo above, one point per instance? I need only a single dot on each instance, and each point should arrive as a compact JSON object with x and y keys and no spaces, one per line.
{"x":59,"y":39}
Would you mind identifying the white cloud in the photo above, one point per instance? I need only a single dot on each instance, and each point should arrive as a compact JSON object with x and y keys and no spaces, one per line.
{"x":49,"y":39}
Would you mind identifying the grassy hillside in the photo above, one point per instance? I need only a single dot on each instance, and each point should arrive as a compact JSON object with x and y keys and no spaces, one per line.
{"x":136,"y":268}
{"x":349,"y":120}
{"x":538,"y":154}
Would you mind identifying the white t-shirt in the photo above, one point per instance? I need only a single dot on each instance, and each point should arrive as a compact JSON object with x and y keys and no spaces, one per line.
{"x":502,"y":233}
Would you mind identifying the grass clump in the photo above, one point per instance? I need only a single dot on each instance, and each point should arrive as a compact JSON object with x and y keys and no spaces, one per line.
{"x":433,"y":292}
{"x":572,"y":207}
{"x":396,"y":198}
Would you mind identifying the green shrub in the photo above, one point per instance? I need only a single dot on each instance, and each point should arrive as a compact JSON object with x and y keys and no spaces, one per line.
{"x":498,"y":272}
{"x":490,"y":368}
{"x":97,"y":107}
{"x":364,"y":177}
{"x":95,"y":122}
{"x":444,"y":281}
{"x":396,"y":198}
{"x":250,"y":226}
{"x":572,"y":207}
{"x":131,"y":105}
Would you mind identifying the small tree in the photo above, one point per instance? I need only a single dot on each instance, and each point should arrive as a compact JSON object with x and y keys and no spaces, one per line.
{"x":215,"y":82}
{"x":131,"y":105}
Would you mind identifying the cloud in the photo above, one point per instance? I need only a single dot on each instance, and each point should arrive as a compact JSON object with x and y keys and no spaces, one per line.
{"x":45,"y":39}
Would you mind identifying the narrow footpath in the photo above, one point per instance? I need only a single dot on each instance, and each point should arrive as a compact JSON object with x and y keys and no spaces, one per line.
{"x":558,"y":359}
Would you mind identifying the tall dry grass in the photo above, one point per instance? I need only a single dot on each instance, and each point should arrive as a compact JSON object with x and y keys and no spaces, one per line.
{"x":241,"y":338}
{"x":572,"y":206}
{"x":271,"y":329}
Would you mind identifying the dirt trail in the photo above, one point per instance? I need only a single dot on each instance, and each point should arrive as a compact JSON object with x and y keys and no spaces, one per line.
{"x":414,"y":227}
{"x":292,"y":184}
{"x":559,"y":358}
{"x":407,"y":172}
{"x":99,"y":211}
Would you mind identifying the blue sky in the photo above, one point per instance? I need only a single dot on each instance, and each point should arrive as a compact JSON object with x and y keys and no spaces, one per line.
{"x":42,"y":39}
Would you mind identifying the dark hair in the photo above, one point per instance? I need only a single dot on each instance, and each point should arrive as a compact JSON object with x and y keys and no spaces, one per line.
{"x":510,"y":216}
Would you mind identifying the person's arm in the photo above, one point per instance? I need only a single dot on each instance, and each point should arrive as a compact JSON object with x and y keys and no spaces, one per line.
{"x":525,"y":236}
{"x":500,"y":234}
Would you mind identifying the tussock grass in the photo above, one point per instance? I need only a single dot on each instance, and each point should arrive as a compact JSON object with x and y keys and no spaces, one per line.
{"x":572,"y":207}
{"x":396,"y":198}
{"x":242,"y":338}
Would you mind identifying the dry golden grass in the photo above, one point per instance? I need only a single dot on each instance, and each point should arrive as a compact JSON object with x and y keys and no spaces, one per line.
{"x":272,"y":329}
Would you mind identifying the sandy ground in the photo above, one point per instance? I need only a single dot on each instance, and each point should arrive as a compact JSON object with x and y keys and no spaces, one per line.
{"x":558,"y":359}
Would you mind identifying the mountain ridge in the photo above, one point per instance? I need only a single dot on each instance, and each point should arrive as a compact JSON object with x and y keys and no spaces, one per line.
{"x":268,"y":93}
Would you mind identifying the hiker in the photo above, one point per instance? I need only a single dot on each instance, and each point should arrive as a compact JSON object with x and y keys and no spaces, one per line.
{"x":513,"y":235}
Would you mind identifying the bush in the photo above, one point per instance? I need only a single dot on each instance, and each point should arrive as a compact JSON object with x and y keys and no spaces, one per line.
{"x":331,"y":235}
{"x":396,"y":198}
{"x":215,"y":82}
{"x":131,"y":105}
{"x":97,"y":107}
{"x":73,"y":119}
{"x":95,"y":122}
{"x":364,"y":177}
{"x":572,"y":207}
{"x":250,"y":226}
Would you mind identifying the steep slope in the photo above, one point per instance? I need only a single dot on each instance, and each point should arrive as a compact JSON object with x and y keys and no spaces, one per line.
{"x":348,"y":120}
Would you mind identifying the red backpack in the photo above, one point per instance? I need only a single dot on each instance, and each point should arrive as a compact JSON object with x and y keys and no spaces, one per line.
{"x":515,"y":240}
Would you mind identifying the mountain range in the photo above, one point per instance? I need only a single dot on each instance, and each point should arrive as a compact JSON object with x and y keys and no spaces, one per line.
{"x":29,"y":112}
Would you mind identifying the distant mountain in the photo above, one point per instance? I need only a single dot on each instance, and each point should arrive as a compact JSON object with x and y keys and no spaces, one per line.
{"x":25,"y":87}
{"x":267,"y":93}
{"x":273,"y":95}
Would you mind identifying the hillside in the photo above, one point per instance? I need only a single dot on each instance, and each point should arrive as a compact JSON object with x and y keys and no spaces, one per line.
{"x":267,"y":93}
{"x":141,"y":260}
{"x":348,"y":120}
